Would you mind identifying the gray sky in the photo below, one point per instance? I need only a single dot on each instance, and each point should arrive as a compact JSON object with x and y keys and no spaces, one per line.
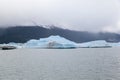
{"x":90,"y":15}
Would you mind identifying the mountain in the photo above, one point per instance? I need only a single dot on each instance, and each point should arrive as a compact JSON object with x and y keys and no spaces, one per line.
{"x":21,"y":34}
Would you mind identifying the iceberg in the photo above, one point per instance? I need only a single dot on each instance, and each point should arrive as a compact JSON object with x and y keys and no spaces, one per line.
{"x":50,"y":42}
{"x":59,"y":42}
{"x":98,"y":43}
{"x":12,"y":44}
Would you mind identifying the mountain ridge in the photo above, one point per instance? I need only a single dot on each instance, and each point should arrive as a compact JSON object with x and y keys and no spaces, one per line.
{"x":21,"y":34}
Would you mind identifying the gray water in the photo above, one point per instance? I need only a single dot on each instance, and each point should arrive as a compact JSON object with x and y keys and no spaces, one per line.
{"x":63,"y":64}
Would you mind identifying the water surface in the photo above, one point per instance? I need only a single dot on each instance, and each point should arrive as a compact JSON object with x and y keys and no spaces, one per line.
{"x":60,"y":64}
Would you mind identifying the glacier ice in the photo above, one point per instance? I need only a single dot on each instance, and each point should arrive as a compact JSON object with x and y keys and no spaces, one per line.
{"x":17,"y":45}
{"x":60,"y":42}
{"x":94,"y":44}
{"x":99,"y":43}
{"x":50,"y":42}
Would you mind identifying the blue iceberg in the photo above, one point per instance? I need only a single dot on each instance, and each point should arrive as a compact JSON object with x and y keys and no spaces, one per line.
{"x":50,"y":42}
{"x":99,"y":43}
{"x":61,"y":43}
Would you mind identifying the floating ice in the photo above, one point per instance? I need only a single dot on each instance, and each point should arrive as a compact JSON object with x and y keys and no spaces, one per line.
{"x":50,"y":42}
{"x":17,"y":45}
{"x":99,"y":43}
{"x":60,"y":43}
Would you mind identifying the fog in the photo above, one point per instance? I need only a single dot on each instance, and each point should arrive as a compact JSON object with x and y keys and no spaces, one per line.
{"x":82,"y":15}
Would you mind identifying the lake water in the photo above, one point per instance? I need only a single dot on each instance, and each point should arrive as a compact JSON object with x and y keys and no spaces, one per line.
{"x":60,"y":64}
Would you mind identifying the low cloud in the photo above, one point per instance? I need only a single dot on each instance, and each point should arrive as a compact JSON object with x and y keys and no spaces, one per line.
{"x":83,"y":15}
{"x":115,"y":28}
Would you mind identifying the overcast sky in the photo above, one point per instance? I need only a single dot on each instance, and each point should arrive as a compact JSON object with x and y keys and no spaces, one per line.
{"x":90,"y":15}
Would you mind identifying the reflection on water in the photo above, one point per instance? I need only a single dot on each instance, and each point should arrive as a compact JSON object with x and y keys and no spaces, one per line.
{"x":54,"y":64}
